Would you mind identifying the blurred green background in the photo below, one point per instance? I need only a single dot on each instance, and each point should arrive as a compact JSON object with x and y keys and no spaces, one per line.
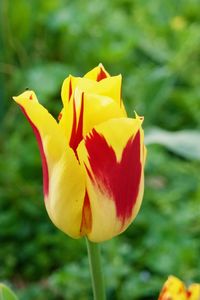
{"x":155,"y":44}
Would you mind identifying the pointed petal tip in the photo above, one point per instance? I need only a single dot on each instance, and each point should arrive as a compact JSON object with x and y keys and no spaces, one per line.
{"x":100,"y":65}
{"x":26,"y":95}
{"x":139,"y":118}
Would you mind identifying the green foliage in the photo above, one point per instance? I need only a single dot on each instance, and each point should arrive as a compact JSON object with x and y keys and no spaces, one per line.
{"x":185,"y":142}
{"x":155,"y":44}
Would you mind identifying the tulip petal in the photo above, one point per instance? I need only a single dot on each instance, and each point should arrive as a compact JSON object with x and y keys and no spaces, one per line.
{"x":98,"y":109}
{"x":85,"y":111}
{"x":113,"y":155}
{"x":64,"y":184}
{"x":193,"y":292}
{"x":109,"y":87}
{"x":173,"y":289}
{"x":68,"y":87}
{"x":87,"y":82}
{"x":98,"y":73}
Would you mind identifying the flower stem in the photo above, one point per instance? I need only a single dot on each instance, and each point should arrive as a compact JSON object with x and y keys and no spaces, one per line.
{"x":96,"y":270}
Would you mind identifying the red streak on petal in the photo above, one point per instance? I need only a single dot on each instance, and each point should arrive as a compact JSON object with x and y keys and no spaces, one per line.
{"x":86,"y":223}
{"x":60,"y":116}
{"x":77,"y":131}
{"x":118,"y":180}
{"x":42,"y":154}
{"x":163,"y":293}
{"x":73,"y":132}
{"x":181,"y":290}
{"x":70,"y":89}
{"x":188,"y":294}
{"x":31,"y":97}
{"x":101,"y":75}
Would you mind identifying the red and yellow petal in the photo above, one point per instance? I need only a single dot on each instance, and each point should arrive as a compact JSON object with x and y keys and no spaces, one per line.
{"x":64,"y":183}
{"x":113,"y":156}
{"x":97,"y":74}
{"x":109,"y":86}
{"x":193,"y":292}
{"x":98,"y":109}
{"x":85,"y":111}
{"x":174,"y":289}
{"x":68,"y":87}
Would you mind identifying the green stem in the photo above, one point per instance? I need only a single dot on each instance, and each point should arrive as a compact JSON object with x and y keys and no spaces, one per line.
{"x":96,"y":270}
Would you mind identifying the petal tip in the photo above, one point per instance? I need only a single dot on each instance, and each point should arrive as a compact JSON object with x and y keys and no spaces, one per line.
{"x":27,"y":95}
{"x":139,"y":118}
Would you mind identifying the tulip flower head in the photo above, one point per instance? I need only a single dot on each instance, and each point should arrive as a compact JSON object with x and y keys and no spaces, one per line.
{"x":174,"y":289}
{"x":92,"y":157}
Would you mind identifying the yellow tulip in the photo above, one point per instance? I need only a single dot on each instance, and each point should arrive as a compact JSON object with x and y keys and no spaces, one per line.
{"x":92,"y":157}
{"x":174,"y":289}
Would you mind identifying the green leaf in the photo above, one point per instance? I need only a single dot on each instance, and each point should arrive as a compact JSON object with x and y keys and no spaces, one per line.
{"x":185,"y":143}
{"x":6,"y":293}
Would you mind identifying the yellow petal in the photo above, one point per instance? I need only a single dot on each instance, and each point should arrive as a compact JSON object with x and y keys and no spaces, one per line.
{"x":109,"y":87}
{"x":113,"y":158}
{"x":68,"y":87}
{"x":193,"y":292}
{"x":87,"y":83}
{"x":105,"y":93}
{"x":98,"y":73}
{"x":98,"y":109}
{"x":173,"y":289}
{"x":66,"y":120}
{"x":91,"y":110}
{"x":64,"y":186}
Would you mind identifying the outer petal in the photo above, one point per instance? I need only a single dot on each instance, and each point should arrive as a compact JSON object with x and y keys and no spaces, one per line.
{"x":64,"y":187}
{"x":113,"y":156}
{"x":193,"y":292}
{"x":173,"y":289}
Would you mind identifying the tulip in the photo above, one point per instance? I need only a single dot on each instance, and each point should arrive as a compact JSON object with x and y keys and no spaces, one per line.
{"x":92,"y":157}
{"x":174,"y":289}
